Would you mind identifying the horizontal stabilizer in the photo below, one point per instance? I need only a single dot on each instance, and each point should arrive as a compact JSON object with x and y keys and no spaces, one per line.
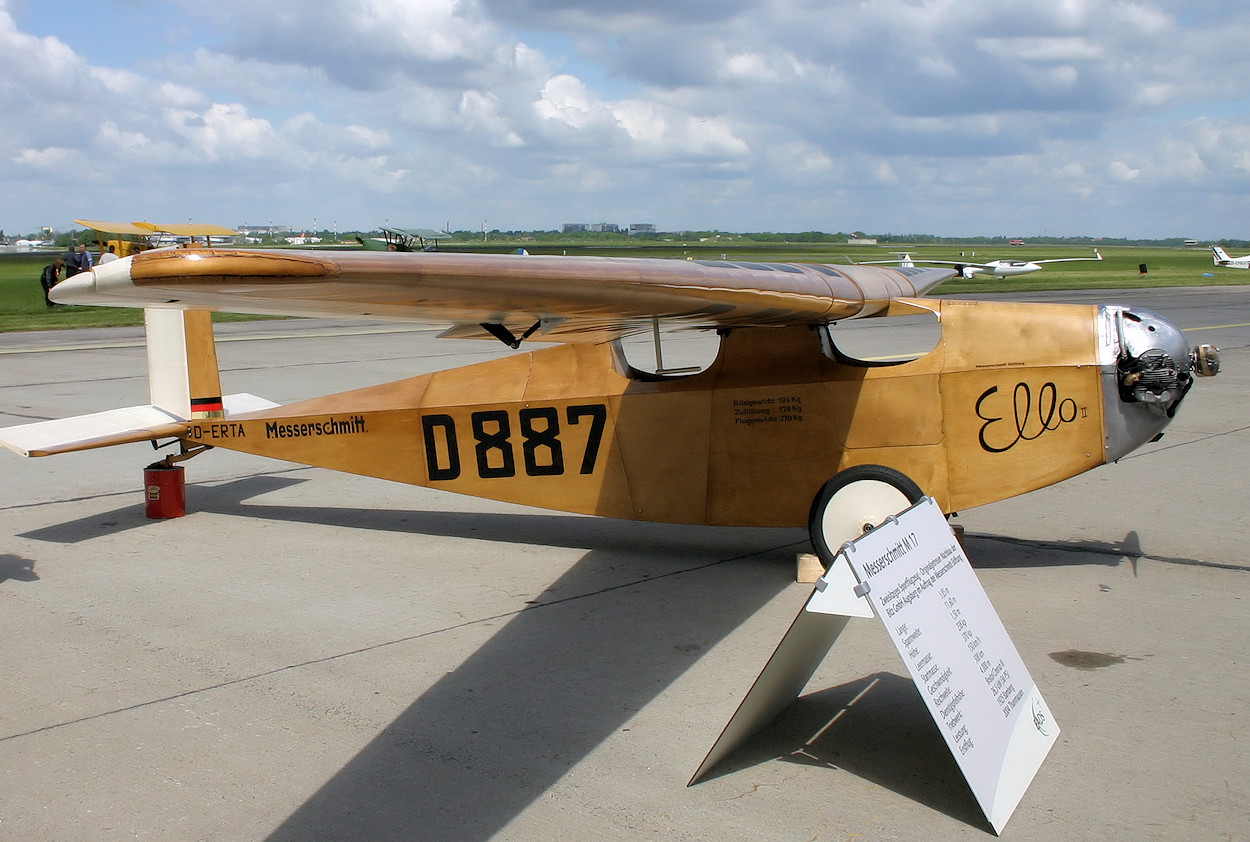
{"x":243,"y":402}
{"x":114,"y":426}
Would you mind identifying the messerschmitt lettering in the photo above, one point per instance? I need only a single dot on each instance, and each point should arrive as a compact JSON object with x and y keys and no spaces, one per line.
{"x":303,"y":429}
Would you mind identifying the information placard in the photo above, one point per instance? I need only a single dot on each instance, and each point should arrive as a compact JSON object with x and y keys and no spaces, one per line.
{"x":998,"y":727}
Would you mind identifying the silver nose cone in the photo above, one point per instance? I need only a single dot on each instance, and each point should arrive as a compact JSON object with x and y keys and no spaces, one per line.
{"x":97,"y":286}
{"x":1146,"y":375}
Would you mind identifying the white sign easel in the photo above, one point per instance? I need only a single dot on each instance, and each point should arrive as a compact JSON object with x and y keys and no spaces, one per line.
{"x":913,"y":573}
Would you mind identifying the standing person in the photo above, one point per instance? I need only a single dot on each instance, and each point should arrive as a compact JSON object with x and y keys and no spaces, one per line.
{"x":109,"y":256}
{"x":51,"y":277}
{"x":79,"y":261}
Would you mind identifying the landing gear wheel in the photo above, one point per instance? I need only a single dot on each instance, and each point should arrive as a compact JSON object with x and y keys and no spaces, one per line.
{"x":855,"y":501}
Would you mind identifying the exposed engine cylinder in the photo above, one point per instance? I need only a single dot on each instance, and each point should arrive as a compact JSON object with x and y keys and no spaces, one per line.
{"x":1155,"y":365}
{"x":1152,"y":377}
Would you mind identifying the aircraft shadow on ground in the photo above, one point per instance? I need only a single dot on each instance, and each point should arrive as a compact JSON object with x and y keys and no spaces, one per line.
{"x":1001,"y":551}
{"x":223,"y":497}
{"x":490,"y":737}
{"x":551,"y":685}
{"x":984,"y":550}
{"x":988,"y":552}
{"x":522,"y":527}
{"x":877,"y":728}
{"x":17,"y":568}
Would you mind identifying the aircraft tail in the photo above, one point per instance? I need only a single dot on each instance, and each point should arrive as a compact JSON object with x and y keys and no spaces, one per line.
{"x":183,"y":377}
{"x":1221,"y":256}
{"x":184,"y":384}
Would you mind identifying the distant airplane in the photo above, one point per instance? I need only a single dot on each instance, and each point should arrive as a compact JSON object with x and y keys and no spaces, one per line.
{"x":1222,"y":259}
{"x":129,"y":238}
{"x":997,"y":268}
{"x":405,"y":239}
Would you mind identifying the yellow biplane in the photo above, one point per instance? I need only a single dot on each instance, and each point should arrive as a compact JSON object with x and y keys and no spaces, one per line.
{"x":783,"y":428}
{"x":129,"y":238}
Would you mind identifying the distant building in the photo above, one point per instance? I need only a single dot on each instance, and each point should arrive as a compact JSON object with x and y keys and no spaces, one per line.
{"x":266,"y":230}
{"x":861,"y":241}
{"x":641,"y":228}
{"x":595,"y":227}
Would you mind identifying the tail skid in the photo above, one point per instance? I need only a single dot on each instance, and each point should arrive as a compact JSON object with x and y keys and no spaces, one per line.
{"x":184,"y":386}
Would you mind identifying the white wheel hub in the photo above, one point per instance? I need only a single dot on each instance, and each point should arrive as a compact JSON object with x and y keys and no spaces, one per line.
{"x":858,"y":507}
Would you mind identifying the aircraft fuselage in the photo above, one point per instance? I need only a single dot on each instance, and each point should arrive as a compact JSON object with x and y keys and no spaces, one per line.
{"x":1013,"y":398}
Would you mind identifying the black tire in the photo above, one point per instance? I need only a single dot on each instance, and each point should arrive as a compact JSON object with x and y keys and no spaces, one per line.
{"x":842,"y":510}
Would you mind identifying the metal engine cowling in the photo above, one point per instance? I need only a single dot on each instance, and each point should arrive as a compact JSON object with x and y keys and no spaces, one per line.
{"x":1152,"y":370}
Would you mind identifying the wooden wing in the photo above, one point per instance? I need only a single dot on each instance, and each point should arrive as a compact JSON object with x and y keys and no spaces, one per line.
{"x":561,"y":298}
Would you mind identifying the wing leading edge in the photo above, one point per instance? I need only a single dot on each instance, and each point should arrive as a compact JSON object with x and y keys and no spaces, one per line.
{"x":574,"y":298}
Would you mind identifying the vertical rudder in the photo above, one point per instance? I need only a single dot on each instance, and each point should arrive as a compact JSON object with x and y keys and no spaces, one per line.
{"x":182,"y":363}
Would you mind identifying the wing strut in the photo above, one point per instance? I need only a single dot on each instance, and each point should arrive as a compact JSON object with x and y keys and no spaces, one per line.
{"x":506,"y":336}
{"x":659,"y":357}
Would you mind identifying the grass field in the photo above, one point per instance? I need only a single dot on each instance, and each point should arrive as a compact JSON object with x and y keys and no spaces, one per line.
{"x":22,"y":307}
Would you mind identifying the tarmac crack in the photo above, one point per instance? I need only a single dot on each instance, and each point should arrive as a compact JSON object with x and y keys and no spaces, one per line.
{"x":1140,"y":455}
{"x":59,"y":382}
{"x":28,"y":417}
{"x":529,"y":606}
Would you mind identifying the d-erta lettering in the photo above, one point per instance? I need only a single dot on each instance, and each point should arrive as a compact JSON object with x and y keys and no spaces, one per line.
{"x":329,"y":427}
{"x":224,"y":430}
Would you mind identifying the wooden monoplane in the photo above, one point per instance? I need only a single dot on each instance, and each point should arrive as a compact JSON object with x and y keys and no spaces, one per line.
{"x":783,"y":429}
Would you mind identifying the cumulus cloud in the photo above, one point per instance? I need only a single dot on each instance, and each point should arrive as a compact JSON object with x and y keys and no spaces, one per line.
{"x":363,"y":45}
{"x":951,"y":117}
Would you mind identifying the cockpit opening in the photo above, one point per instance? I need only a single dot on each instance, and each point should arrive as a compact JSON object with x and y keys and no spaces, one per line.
{"x":669,"y":350}
{"x":889,"y":340}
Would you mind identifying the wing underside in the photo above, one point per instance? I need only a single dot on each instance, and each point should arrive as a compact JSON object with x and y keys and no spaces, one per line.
{"x":565,"y":298}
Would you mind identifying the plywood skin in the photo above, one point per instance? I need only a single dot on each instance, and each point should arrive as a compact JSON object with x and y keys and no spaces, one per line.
{"x":1021,"y":398}
{"x":582,"y":299}
{"x":747,"y":442}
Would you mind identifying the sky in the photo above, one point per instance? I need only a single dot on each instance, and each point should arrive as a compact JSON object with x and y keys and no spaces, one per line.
{"x":1113,"y":118}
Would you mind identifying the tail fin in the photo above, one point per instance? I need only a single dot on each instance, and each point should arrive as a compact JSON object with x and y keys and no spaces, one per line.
{"x":1220,"y":255}
{"x":185,"y":387}
{"x":183,"y":376}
